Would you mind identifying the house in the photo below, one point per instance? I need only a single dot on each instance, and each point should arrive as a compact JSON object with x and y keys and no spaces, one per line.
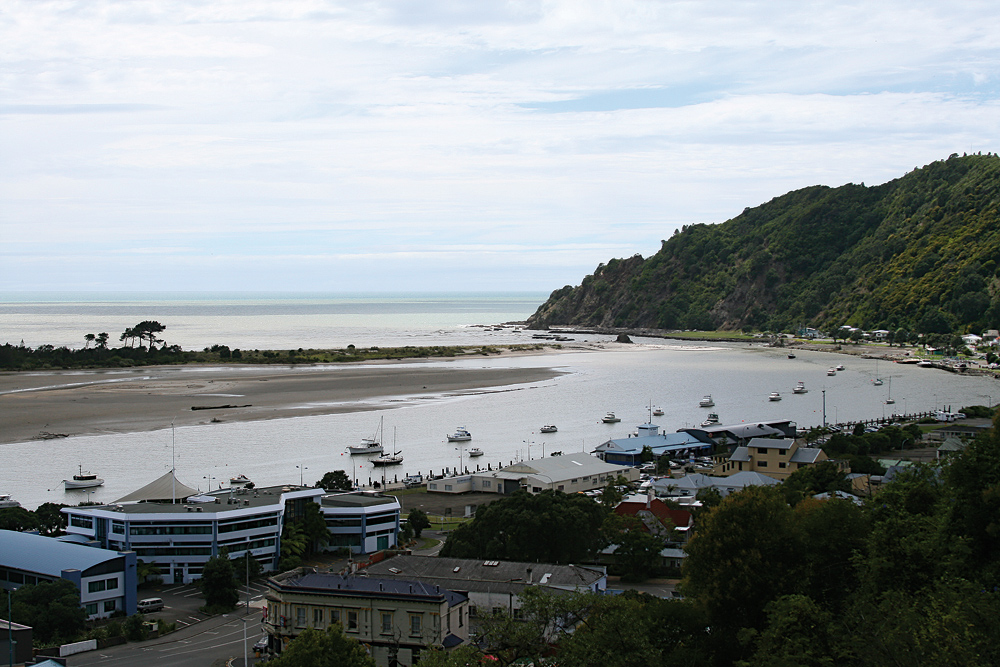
{"x":740,"y":434}
{"x":657,"y":517}
{"x":628,"y":451}
{"x":685,"y":489}
{"x":106,"y":579}
{"x":776,"y":458}
{"x":180,"y":537}
{"x":362,"y":521}
{"x":492,"y":585}
{"x":570,"y":473}
{"x":396,"y":619}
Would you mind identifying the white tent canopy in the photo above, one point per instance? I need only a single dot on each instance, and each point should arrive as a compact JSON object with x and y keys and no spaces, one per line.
{"x":163,"y":490}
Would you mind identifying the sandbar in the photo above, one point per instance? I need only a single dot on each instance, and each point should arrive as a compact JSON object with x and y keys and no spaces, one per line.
{"x":51,"y":404}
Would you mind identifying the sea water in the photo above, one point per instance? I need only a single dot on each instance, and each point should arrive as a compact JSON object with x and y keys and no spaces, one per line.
{"x":504,"y":420}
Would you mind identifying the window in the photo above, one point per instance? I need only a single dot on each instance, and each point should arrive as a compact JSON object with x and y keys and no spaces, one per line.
{"x":81,"y":522}
{"x":352,"y":621}
{"x":109,"y":605}
{"x":447,"y":487}
{"x":91,"y":609}
{"x":762,"y":450}
{"x":300,"y":617}
{"x":487,"y":484}
{"x":560,"y":487}
{"x":782,"y":464}
{"x":112,"y":584}
{"x":536,"y":489}
{"x":335,"y":616}
{"x":415,"y":624}
{"x":762,"y":464}
{"x":573,"y":481}
{"x":96,"y":586}
{"x":386,"y":622}
{"x":317,"y":616}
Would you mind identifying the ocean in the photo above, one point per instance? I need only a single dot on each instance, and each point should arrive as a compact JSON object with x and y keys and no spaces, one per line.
{"x":504,"y":421}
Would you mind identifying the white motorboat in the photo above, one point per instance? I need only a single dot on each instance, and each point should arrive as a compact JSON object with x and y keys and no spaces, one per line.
{"x":83,"y":480}
{"x":800,"y":388}
{"x":239,"y":482}
{"x":774,"y":396}
{"x":548,"y":428}
{"x":610,"y":418}
{"x":7,"y":502}
{"x":388,"y":459}
{"x":840,"y":367}
{"x":706,"y":402}
{"x":372,"y":445}
{"x":474,"y":452}
{"x":711,"y":420}
{"x":461,"y":434}
{"x":831,"y":371}
{"x":657,"y":412}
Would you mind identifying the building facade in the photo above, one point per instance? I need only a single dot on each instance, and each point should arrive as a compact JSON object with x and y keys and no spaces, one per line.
{"x":396,"y":619}
{"x":777,"y":458}
{"x":362,"y":522}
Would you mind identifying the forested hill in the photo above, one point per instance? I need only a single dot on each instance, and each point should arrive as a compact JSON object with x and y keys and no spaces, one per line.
{"x":919,"y":253}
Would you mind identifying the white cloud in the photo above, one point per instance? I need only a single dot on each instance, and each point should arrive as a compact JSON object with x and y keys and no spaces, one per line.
{"x":524,"y":141}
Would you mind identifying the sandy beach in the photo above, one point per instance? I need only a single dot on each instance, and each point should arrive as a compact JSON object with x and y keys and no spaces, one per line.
{"x":40,"y":405}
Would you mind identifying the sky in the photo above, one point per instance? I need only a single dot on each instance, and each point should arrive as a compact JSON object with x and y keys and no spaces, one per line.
{"x":441,"y":145}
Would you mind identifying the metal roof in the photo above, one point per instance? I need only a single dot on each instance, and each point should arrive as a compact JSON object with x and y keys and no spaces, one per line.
{"x":47,"y":555}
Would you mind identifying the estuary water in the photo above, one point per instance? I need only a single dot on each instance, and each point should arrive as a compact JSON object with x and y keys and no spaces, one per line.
{"x":504,"y":421}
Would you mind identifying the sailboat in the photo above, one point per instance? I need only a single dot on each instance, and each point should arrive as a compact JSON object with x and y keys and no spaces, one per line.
{"x":890,"y":400}
{"x":389,"y":459}
{"x":877,"y":381}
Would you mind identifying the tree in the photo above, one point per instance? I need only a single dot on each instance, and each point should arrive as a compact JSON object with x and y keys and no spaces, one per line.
{"x":418,"y":521}
{"x":335,"y":481}
{"x":797,"y":633}
{"x":50,"y":519}
{"x":89,"y":338}
{"x":638,"y":552}
{"x":219,"y":584}
{"x":52,"y":609}
{"x":316,"y":648}
{"x":102,"y":340}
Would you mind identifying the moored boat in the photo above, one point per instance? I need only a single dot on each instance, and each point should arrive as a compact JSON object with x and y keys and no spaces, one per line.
{"x":461,"y":434}
{"x":657,"y":412}
{"x":831,"y":371}
{"x":774,"y":396}
{"x":372,"y":445}
{"x":83,"y":480}
{"x":388,"y":459}
{"x":548,"y":428}
{"x":711,"y":420}
{"x":475,"y":451}
{"x":7,"y":502}
{"x":239,"y":482}
{"x":706,"y":402}
{"x":800,"y":388}
{"x":610,"y":418}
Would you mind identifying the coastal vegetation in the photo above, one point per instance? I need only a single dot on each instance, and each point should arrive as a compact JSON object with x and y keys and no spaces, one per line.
{"x":920,"y":253}
{"x":21,"y":357}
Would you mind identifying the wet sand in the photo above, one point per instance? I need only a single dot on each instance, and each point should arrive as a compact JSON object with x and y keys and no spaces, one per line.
{"x":48,"y":404}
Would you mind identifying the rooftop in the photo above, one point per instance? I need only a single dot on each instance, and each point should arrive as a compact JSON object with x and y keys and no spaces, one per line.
{"x":47,"y":555}
{"x":354,"y":586}
{"x":215,"y":502}
{"x":356,"y":499}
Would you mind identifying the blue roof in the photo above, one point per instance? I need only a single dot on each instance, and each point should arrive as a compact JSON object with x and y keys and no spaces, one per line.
{"x":662,"y":442}
{"x":347,"y":585}
{"x":47,"y":555}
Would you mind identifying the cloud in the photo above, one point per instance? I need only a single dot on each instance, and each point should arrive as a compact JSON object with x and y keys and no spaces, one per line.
{"x":259,"y":143}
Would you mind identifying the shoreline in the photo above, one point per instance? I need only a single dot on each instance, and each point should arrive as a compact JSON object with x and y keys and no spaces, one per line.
{"x":43,"y":405}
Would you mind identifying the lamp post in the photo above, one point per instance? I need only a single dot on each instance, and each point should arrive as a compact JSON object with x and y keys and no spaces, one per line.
{"x":245,"y":663}
{"x":302,"y":469}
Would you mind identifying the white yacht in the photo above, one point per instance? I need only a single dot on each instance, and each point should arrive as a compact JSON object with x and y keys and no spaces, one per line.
{"x":461,"y":434}
{"x":800,"y":388}
{"x":774,"y":396}
{"x":610,"y":418}
{"x":706,"y":402}
{"x":83,"y":480}
{"x":372,"y":445}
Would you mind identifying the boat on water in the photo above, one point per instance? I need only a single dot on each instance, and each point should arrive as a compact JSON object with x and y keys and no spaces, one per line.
{"x":774,"y":396}
{"x":388,"y":459}
{"x":657,"y":412}
{"x":791,"y":355}
{"x":706,"y":402}
{"x":610,"y":418}
{"x":877,"y":381}
{"x":800,"y":388}
{"x":548,"y":428}
{"x":474,"y":452}
{"x":925,"y":364}
{"x":461,"y":434}
{"x":890,"y":400}
{"x":6,"y":502}
{"x":83,"y":480}
{"x":840,"y":367}
{"x":372,"y":445}
{"x":711,"y":420}
{"x":831,"y":371}
{"x":239,"y":482}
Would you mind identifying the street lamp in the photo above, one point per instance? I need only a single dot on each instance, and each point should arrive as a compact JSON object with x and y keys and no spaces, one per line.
{"x":301,"y":470}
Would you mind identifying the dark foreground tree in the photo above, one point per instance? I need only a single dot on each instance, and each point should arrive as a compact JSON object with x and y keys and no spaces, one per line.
{"x":52,"y":609}
{"x":418,"y":521}
{"x":336,"y":480}
{"x":315,"y":648}
{"x":218,"y":583}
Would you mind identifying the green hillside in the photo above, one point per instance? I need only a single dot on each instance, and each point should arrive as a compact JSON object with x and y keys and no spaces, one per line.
{"x":920,"y":253}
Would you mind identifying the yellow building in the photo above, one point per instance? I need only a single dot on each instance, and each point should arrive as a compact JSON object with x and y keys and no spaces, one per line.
{"x":777,"y":458}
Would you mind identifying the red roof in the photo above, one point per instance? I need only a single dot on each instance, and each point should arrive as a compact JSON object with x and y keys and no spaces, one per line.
{"x":679,"y":518}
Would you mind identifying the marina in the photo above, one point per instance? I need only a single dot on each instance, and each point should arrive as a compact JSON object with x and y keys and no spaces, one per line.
{"x":269,"y":451}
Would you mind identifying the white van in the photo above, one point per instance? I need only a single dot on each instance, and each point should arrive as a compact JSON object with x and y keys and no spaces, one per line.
{"x":149,"y":605}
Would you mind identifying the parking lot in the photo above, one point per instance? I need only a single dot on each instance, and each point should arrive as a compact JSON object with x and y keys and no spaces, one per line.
{"x":181,"y":602}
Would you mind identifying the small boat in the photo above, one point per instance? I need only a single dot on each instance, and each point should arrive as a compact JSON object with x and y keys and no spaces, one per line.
{"x":840,"y":367}
{"x":388,"y":459}
{"x":890,"y":400}
{"x":7,"y":502}
{"x":791,"y":355}
{"x":925,"y":364}
{"x":831,"y":371}
{"x":877,"y":382}
{"x":774,"y":396}
{"x":239,"y":482}
{"x":83,"y":480}
{"x":461,"y":434}
{"x":372,"y":445}
{"x":706,"y":402}
{"x":548,"y":428}
{"x":657,"y":412}
{"x":800,"y":388}
{"x":610,"y":418}
{"x":474,"y":452}
{"x":711,"y":420}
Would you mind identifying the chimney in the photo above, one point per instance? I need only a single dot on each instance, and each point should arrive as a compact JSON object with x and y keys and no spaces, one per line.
{"x":529,"y":576}
{"x":649,"y":497}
